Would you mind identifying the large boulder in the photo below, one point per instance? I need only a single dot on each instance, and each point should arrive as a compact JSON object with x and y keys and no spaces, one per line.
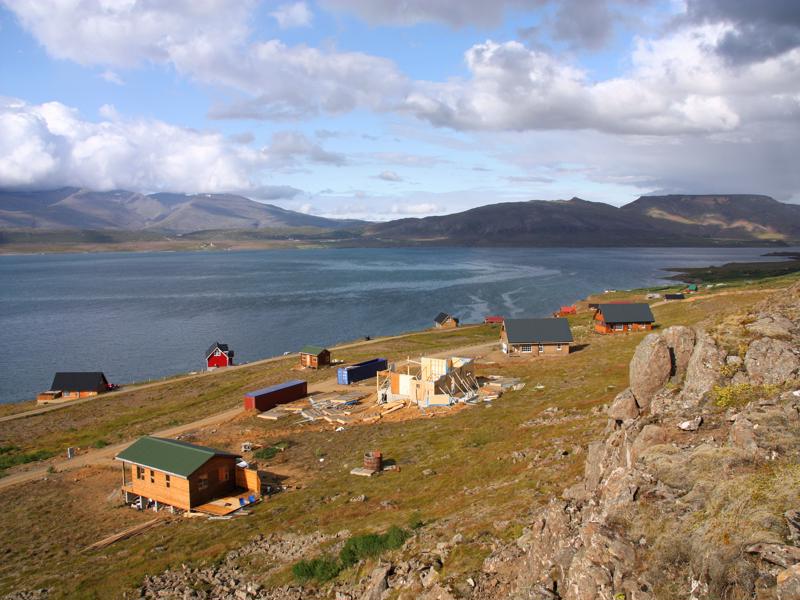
{"x":771,"y":361}
{"x":651,"y":435}
{"x":650,"y":369}
{"x":788,"y":581}
{"x":703,"y":371}
{"x":771,"y":326}
{"x":680,"y":341}
{"x":624,"y":407}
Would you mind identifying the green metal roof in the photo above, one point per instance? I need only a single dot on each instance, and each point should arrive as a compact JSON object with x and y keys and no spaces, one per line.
{"x":315,"y":350}
{"x":169,"y":456}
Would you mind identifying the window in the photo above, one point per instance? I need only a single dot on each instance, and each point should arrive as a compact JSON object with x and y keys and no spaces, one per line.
{"x":152,"y":476}
{"x":216,"y":352}
{"x":619,"y":327}
{"x":541,"y":348}
{"x":139,"y":472}
{"x":202,"y":482}
{"x":167,"y":479}
{"x":558,"y":347}
{"x":526,"y":347}
{"x":224,"y":474}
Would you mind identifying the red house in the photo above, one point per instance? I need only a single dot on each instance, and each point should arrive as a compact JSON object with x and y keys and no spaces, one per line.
{"x":493,"y":320}
{"x":219,"y":355}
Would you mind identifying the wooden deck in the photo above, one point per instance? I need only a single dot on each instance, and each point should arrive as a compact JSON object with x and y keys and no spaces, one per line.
{"x":228,"y":504}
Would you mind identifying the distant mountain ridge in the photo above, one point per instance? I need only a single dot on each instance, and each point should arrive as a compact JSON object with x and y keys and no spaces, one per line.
{"x":669,"y":220}
{"x":72,"y":208}
{"x":650,"y":220}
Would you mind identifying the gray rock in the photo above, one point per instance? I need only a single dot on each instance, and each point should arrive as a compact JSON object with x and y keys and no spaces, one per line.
{"x":377,"y":583}
{"x":788,"y":583}
{"x":703,"y":370}
{"x":742,"y":435}
{"x":651,"y":435}
{"x":624,"y":407}
{"x":680,"y":341}
{"x":771,"y":361}
{"x":691,"y":424}
{"x":650,"y":369}
{"x":771,"y":326}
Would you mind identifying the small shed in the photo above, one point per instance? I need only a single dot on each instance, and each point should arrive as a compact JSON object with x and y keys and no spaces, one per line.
{"x":78,"y":384}
{"x":270,"y":397}
{"x":538,"y":337}
{"x":692,"y":287}
{"x":218,"y":356}
{"x":314,"y":357}
{"x":445,"y":321}
{"x":493,"y":320}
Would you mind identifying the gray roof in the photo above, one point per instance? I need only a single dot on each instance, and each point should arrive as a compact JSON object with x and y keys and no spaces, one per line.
{"x":626,"y":313}
{"x":441,"y":318}
{"x":538,"y":331}
{"x":93,"y":381}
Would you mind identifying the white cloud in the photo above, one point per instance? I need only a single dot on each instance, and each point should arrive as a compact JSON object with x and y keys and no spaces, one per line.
{"x":112,"y":77}
{"x":424,"y":208}
{"x":287,"y":147}
{"x":50,"y":145}
{"x":389,"y":176}
{"x":296,"y":14}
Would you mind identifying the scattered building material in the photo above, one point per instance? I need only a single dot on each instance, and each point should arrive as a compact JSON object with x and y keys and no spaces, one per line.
{"x":218,"y":356}
{"x":122,"y":535}
{"x":618,"y":318}
{"x":162,"y":472}
{"x":537,"y":337}
{"x":445,"y":321}
{"x":362,"y":472}
{"x":360,"y":371}
{"x":314,"y":357}
{"x":273,"y":414}
{"x":270,"y":397}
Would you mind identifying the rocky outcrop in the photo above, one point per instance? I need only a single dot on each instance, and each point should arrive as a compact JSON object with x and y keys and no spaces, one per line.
{"x":650,"y":369}
{"x":703,"y":371}
{"x":680,"y":340}
{"x":629,"y":529}
{"x":771,"y":361}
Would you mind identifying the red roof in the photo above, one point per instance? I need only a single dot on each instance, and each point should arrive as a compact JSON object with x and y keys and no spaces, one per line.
{"x":568,"y":310}
{"x":493,"y":319}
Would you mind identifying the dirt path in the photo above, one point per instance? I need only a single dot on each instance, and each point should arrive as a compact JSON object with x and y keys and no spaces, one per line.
{"x":107,"y":454}
{"x":717,"y":294}
{"x":142,"y":386}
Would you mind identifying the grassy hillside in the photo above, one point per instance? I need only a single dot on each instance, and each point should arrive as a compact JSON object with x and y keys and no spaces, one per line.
{"x":477,"y":470}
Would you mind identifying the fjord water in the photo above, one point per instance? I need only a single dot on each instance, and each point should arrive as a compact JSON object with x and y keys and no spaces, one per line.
{"x":138,"y":316}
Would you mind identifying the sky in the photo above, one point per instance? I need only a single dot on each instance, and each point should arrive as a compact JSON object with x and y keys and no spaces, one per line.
{"x":384,"y":109}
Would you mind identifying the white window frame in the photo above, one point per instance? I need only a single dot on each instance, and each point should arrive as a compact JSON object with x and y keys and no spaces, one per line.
{"x":522,"y":348}
{"x":558,"y":347}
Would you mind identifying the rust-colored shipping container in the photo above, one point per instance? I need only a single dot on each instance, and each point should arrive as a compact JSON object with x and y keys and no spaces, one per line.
{"x":270,"y":397}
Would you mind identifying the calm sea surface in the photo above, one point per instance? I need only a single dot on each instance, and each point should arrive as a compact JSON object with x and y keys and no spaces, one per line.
{"x":140,"y":316}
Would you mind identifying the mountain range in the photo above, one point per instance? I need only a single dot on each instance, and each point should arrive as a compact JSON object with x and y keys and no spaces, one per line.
{"x":670,"y":220}
{"x":72,"y":208}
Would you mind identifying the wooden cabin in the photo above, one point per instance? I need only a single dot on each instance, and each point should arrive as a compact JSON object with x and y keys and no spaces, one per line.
{"x":218,"y":356}
{"x":314,"y":357}
{"x":75,"y":384}
{"x":536,"y":337}
{"x":619,"y":318}
{"x":159,"y":471}
{"x":445,"y":321}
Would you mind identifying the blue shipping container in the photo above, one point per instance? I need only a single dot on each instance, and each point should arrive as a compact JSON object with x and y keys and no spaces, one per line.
{"x":361,"y":371}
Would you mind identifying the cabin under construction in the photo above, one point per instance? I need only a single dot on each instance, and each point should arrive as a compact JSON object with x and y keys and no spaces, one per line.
{"x":429,"y":381}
